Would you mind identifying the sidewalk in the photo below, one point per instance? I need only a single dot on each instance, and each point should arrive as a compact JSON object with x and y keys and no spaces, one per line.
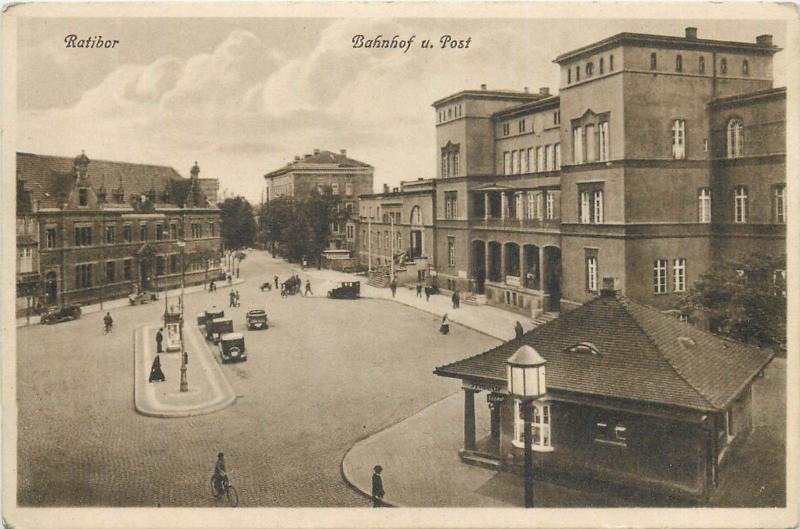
{"x":209,"y":390}
{"x":123,"y":302}
{"x":488,"y":320}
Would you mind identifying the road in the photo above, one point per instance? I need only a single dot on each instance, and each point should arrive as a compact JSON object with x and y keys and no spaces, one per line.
{"x":325,"y":374}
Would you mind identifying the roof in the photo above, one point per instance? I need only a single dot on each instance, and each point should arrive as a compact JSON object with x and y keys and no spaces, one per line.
{"x":542,"y":104}
{"x":231,"y":336}
{"x":47,"y":177}
{"x":645,"y":39}
{"x":748,"y":97}
{"x":319,"y":158}
{"x":644,"y":356}
{"x":513,"y":95}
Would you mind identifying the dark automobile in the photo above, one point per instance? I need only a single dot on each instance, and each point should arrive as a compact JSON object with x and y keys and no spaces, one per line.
{"x":347,"y":290}
{"x":61,"y":314}
{"x":257,"y":319}
{"x":231,"y":348}
{"x":217,"y":327}
{"x":201,"y":318}
{"x":213,"y":314}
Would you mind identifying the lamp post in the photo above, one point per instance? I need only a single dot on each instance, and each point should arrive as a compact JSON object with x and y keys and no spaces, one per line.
{"x":525,"y":372}
{"x":184,"y":382}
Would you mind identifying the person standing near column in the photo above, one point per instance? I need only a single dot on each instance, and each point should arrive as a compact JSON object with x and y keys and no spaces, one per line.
{"x":159,"y":339}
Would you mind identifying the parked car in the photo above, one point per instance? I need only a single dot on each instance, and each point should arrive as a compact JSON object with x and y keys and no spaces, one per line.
{"x":213,"y":314}
{"x":61,"y":314}
{"x":217,"y":327}
{"x":231,"y":348}
{"x":257,"y":319}
{"x":201,"y":318}
{"x":347,"y":290}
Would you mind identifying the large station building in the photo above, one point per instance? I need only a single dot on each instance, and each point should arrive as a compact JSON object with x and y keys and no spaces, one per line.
{"x":659,"y":156}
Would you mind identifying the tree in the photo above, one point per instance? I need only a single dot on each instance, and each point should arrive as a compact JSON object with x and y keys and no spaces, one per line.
{"x":238,"y":223}
{"x":744,"y":300}
{"x":274,"y":217}
{"x":322,"y":212}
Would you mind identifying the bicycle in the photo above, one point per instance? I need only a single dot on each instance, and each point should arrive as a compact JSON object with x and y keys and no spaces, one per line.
{"x":224,"y":487}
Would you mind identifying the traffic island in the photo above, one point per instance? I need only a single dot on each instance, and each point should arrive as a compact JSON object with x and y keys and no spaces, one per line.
{"x":208,"y":388}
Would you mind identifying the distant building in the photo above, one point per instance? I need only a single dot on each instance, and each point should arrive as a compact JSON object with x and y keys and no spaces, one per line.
{"x":104,"y":229}
{"x":344,"y":176}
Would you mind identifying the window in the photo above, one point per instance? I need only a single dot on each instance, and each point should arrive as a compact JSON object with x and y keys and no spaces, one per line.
{"x":779,"y":282}
{"x":83,"y":236}
{"x":600,"y":66}
{"x":110,"y":275}
{"x":119,"y":196}
{"x":678,"y":63}
{"x":506,"y":162}
{"x":540,"y":426}
{"x":591,"y":270}
{"x":609,"y":430}
{"x":610,"y":63}
{"x":584,"y":216}
{"x":451,"y":251}
{"x":351,"y":232}
{"x":127,"y":234}
{"x":159,"y":232}
{"x":83,"y":276}
{"x":83,"y":197}
{"x":603,"y":133}
{"x":398,"y":241}
{"x":363,"y":238}
{"x":335,"y":188}
{"x":514,"y":162}
{"x":539,"y":207}
{"x":348,"y":189}
{"x":591,"y":144}
{"x":704,"y":205}
{"x":530,"y":207}
{"x":660,"y":276}
{"x":701,"y":64}
{"x":597,"y":204}
{"x":197,"y":230}
{"x":50,"y":236}
{"x":160,"y":265}
{"x":110,"y":234}
{"x":735,"y":132}
{"x":521,"y":125}
{"x":173,"y":264}
{"x":589,"y":69}
{"x":653,"y":61}
{"x":569,"y":75}
{"x":740,"y":204}
{"x":557,"y":117}
{"x":212,"y":229}
{"x":142,"y":232}
{"x":549,"y":212}
{"x":450,"y":204}
{"x":679,"y":139}
{"x":518,"y":210}
{"x":540,"y":161}
{"x":679,"y":275}
{"x":745,"y":67}
{"x":557,"y":155}
{"x":524,"y":161}
{"x":577,"y":145}
{"x":723,"y":66}
{"x":548,"y":158}
{"x":577,"y":73}
{"x":126,"y":269}
{"x":780,"y":204}
{"x":506,"y":129}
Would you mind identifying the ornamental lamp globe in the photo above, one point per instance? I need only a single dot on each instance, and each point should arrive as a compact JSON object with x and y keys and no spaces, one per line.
{"x":525,"y":373}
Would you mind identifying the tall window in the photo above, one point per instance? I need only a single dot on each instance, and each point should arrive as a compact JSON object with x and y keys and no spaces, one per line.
{"x":159,"y":232}
{"x":704,"y":205}
{"x":110,"y":233}
{"x":450,"y":204}
{"x":83,"y":276}
{"x":679,"y":139}
{"x":548,"y":158}
{"x":701,"y":64}
{"x":506,"y":162}
{"x":603,"y":133}
{"x":515,"y":162}
{"x":577,"y":73}
{"x":740,"y":204}
{"x":610,"y":63}
{"x":549,"y":206}
{"x":653,"y":61}
{"x":597,"y":202}
{"x":110,"y":275}
{"x":83,"y":236}
{"x":523,"y":161}
{"x":723,"y":65}
{"x":142,"y":232}
{"x":600,"y":66}
{"x":348,"y":189}
{"x":540,"y":426}
{"x":585,"y":215}
{"x":678,"y":63}
{"x":591,"y":143}
{"x":521,"y":126}
{"x":557,"y":155}
{"x":591,"y":273}
{"x":126,"y":269}
{"x":539,"y":207}
{"x":451,"y":251}
{"x":745,"y":67}
{"x":530,"y":206}
{"x":660,"y":276}
{"x":589,"y":69}
{"x":569,"y":75}
{"x":577,"y":145}
{"x":780,"y":204}
{"x":50,"y":235}
{"x":540,"y":161}
{"x":735,"y":133}
{"x":518,"y":209}
{"x":83,"y":197}
{"x":679,"y":274}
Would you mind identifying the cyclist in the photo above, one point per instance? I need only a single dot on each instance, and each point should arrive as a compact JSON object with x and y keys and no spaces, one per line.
{"x":220,"y":475}
{"x":108,"y":322}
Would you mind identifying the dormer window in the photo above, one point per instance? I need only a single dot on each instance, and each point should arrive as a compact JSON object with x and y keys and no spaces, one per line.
{"x":83,"y":197}
{"x":584,"y":348}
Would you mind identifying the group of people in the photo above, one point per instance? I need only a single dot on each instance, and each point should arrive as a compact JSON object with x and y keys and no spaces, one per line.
{"x":156,"y":373}
{"x":293,"y":284}
{"x":234,"y":298}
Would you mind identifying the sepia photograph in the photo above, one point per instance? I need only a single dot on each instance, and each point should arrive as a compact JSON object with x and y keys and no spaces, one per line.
{"x":394,"y":265}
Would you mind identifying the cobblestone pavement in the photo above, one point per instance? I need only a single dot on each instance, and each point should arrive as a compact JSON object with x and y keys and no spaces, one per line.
{"x":325,"y":374}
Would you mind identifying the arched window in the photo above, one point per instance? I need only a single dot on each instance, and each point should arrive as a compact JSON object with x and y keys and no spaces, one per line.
{"x":735,"y":138}
{"x":416,"y":216}
{"x":653,"y":61}
{"x":589,"y":69}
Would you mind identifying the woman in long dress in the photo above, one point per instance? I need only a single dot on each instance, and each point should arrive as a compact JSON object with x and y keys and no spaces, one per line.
{"x":444,"y":328}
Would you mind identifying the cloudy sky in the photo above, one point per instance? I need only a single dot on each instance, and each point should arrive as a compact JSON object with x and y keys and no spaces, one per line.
{"x":244,"y":96}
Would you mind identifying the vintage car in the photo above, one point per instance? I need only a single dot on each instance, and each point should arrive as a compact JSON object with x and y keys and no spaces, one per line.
{"x":257,"y":319}
{"x":60,"y":314}
{"x":214,"y":314}
{"x":347,"y":290}
{"x":140,"y":298}
{"x":231,"y":347}
{"x":217,"y":327}
{"x":201,"y":318}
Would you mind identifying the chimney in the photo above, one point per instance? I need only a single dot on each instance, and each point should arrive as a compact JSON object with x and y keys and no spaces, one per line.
{"x":316,"y":151}
{"x":343,"y":152}
{"x":483,"y":87}
{"x":609,"y":288}
{"x":544,"y":91}
{"x":296,"y":158}
{"x":764,"y":40}
{"x":526,"y":89}
{"x":385,"y":188}
{"x":691,"y":33}
{"x":395,"y":190}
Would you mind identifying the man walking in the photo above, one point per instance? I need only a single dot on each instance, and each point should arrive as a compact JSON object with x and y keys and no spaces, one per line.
{"x":276,"y":281}
{"x":308,"y":288}
{"x":518,"y":330}
{"x":232,"y":296}
{"x":159,"y":339}
{"x":427,"y":293}
{"x":419,"y":290}
{"x":393,"y":286}
{"x":454,"y":298}
{"x":377,"y":487}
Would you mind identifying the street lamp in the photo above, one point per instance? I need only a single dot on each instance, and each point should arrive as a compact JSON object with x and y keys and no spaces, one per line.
{"x":525,"y":373}
{"x":184,"y":382}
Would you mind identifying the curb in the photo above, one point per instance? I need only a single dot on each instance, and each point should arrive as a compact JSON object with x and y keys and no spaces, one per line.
{"x":150,"y":411}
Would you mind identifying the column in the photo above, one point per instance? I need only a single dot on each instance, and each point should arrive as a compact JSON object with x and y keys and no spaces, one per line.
{"x":487,"y":270}
{"x":522,"y":266}
{"x":486,"y":206}
{"x":502,"y":263}
{"x":469,"y":418}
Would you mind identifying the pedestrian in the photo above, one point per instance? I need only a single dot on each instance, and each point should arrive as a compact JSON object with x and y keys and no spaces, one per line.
{"x":213,"y":286}
{"x":232,"y":296}
{"x":156,"y":375}
{"x":458,"y":299}
{"x":444,"y":328}
{"x":283,"y":290}
{"x":427,"y":293}
{"x":305,"y":263}
{"x":108,"y":322}
{"x":454,"y":298}
{"x":230,"y":279}
{"x":308,"y":288}
{"x":393,"y":286}
{"x":276,"y":281}
{"x":377,"y":487}
{"x":159,"y":339}
{"x":518,"y":330}
{"x":419,"y":290}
